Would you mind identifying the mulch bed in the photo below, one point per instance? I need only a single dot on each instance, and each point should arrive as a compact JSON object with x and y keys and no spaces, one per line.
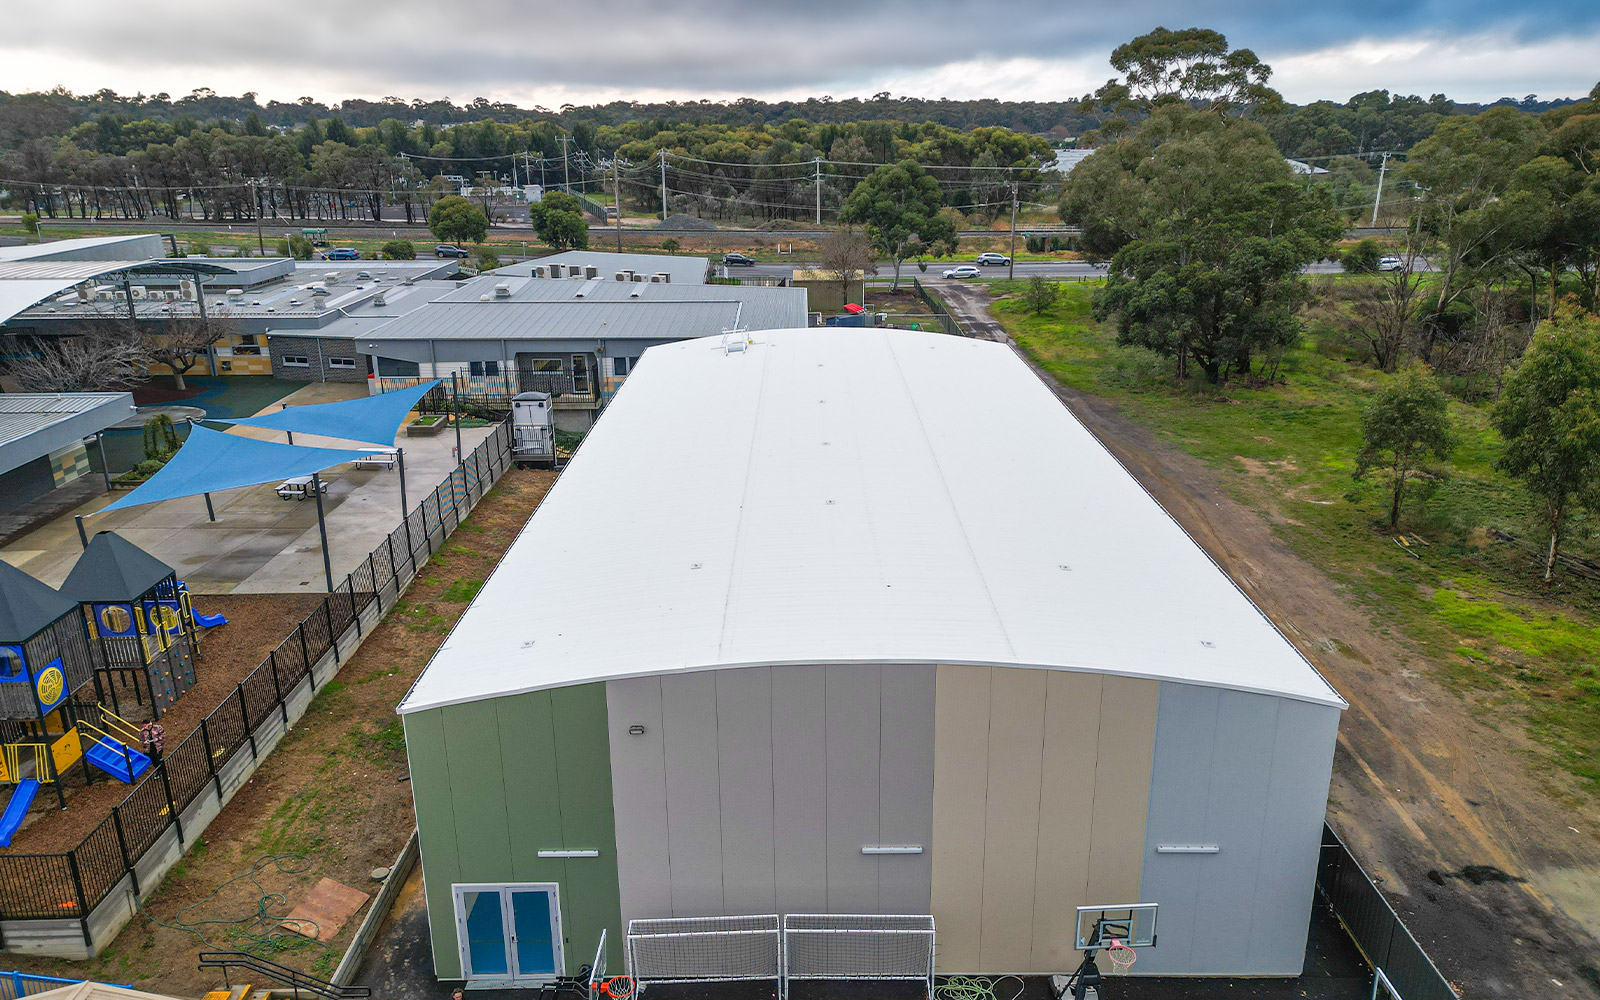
{"x":150,"y":395}
{"x":256,"y":624}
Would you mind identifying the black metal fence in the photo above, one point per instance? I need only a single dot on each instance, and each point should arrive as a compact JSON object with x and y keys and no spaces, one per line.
{"x":1375,"y":927}
{"x":948,"y":322}
{"x":70,"y":885}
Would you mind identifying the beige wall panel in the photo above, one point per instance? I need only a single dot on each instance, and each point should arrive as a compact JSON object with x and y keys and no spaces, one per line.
{"x":1122,"y":788}
{"x":1071,"y":740}
{"x":961,"y":774}
{"x":1012,"y":833}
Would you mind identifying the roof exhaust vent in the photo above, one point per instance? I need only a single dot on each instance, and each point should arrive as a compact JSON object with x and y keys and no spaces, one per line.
{"x":502,"y":291}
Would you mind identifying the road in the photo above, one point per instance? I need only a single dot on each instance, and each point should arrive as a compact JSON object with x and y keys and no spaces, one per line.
{"x":1491,"y":865}
{"x":1024,"y":269}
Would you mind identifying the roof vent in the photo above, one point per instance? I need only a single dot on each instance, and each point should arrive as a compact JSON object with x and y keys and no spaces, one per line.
{"x":502,"y":291}
{"x":379,"y":300}
{"x":330,"y":277}
{"x":317,"y":292}
{"x":294,"y":302}
{"x":485,"y":297}
{"x":409,"y":281}
{"x":235,"y":293}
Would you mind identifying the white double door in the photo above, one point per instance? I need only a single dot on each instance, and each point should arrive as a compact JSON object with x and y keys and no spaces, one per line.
{"x":509,"y":933}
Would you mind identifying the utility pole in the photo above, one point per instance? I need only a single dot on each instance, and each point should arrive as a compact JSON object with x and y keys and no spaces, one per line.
{"x":1011,"y":260}
{"x":566,"y":167}
{"x":1382,"y":168}
{"x":256,"y":194}
{"x":818,"y":162}
{"x":663,"y":185}
{"x":616,"y":193}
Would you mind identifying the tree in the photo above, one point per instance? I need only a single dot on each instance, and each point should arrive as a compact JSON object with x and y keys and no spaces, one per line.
{"x":1040,"y":294}
{"x":846,"y":255}
{"x":1191,"y":66}
{"x":1363,"y":257}
{"x":1207,"y":229}
{"x":299,"y":247}
{"x":454,"y":219}
{"x":1549,"y":416}
{"x":1408,"y":422}
{"x":182,"y":341}
{"x":898,"y":205}
{"x":558,"y":219}
{"x":98,"y":356}
{"x":160,"y":438}
{"x":399,"y":250}
{"x":30,"y":224}
{"x":671,"y":245}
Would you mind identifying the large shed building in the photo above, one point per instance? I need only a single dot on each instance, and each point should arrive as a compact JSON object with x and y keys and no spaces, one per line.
{"x":815,"y":594}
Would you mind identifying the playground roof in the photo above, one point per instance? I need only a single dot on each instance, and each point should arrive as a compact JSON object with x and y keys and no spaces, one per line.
{"x":372,"y":419}
{"x":113,"y":569}
{"x":26,"y":605}
{"x":856,"y":496}
{"x":211,"y":461}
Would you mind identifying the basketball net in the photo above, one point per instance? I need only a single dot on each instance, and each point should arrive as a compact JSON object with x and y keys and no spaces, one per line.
{"x":1121,"y":957}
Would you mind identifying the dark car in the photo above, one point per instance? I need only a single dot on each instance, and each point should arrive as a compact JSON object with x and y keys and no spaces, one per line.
{"x":448,"y":250}
{"x":737,"y":260}
{"x":344,"y":253}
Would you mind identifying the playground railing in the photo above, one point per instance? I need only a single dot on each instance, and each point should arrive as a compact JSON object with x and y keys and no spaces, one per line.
{"x":71,"y":884}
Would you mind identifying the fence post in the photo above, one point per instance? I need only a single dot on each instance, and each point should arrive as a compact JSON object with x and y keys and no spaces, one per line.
{"x":372,"y":574}
{"x":478,"y":473}
{"x":211,"y":762}
{"x":244,"y":713}
{"x":411,"y":551}
{"x":394,"y":571}
{"x":83,"y":903}
{"x":172,"y":805}
{"x":438,"y":509}
{"x":122,"y":845}
{"x":333,"y":639}
{"x":277,"y":687}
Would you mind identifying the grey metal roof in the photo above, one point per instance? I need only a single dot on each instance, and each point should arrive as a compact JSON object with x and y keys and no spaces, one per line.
{"x":33,"y":425}
{"x":141,"y":245}
{"x":80,"y":270}
{"x":684,"y":270}
{"x":26,"y":605}
{"x":562,"y":321}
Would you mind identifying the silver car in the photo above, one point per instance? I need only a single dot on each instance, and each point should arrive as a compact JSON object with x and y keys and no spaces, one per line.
{"x":962,"y":271}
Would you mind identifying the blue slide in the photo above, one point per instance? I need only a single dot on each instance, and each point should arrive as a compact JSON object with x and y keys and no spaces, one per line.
{"x":118,"y":760}
{"x":209,"y":621}
{"x":17,"y":808}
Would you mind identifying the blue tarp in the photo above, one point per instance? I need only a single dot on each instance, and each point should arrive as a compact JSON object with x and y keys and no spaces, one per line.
{"x":211,"y":461}
{"x":373,"y":419}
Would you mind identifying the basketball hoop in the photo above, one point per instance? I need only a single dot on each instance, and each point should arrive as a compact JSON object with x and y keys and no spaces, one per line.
{"x":617,"y":987}
{"x":1121,"y":956}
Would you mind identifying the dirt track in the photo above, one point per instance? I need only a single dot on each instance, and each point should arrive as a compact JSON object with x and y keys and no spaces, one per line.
{"x":1493,"y":868}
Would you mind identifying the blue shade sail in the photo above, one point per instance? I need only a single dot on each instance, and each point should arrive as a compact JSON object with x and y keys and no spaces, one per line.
{"x":372,"y":419}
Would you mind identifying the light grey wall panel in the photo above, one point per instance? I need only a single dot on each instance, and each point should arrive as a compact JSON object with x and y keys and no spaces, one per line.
{"x":800,"y":788}
{"x":1180,"y":792}
{"x":744,"y":771}
{"x":905,"y":787}
{"x":1248,"y":773}
{"x":853,"y":798}
{"x":639,"y":797}
{"x":689,"y":733}
{"x":1302,"y":759}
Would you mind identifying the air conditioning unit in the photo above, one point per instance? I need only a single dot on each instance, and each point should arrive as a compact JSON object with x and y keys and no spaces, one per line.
{"x":502,"y":291}
{"x":623,"y":275}
{"x":590,"y":271}
{"x":186,"y":289}
{"x":637,"y":276}
{"x":84,"y":290}
{"x":139,"y":293}
{"x":666,"y":278}
{"x":655,"y":279}
{"x":541,"y":271}
{"x":556,"y":271}
{"x":661,"y":277}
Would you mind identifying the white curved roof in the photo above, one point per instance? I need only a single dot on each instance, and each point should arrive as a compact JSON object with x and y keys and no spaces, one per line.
{"x":849,"y":495}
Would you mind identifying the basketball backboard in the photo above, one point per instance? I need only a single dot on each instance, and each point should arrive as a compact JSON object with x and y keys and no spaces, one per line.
{"x":1133,"y":924}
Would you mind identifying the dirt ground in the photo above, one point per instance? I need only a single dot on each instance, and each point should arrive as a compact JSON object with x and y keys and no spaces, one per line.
{"x":333,"y":800}
{"x":1493,"y":867}
{"x":256,"y":624}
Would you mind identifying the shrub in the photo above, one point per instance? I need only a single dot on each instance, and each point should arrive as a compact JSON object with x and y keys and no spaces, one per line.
{"x":298,"y":247}
{"x":399,"y":250}
{"x":488,"y":260}
{"x":30,"y":223}
{"x":160,"y":439}
{"x":1363,"y":257}
{"x":198,"y":248}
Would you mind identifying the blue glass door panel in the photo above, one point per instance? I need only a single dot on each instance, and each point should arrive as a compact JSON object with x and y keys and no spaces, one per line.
{"x":486,"y":934}
{"x":531,"y":919}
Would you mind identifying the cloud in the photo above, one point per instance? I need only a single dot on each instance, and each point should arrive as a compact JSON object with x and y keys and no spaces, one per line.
{"x":538,"y":53}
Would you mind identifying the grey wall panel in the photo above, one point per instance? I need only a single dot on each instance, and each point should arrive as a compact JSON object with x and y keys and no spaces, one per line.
{"x":905,"y":787}
{"x":639,"y":797}
{"x":694,"y":825}
{"x":1302,"y":760}
{"x":744,"y":771}
{"x":853,"y":799}
{"x":800,"y":788}
{"x":1180,"y":783}
{"x":1248,"y":773}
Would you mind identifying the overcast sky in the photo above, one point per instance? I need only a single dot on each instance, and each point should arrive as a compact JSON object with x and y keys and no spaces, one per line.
{"x":539,"y":52}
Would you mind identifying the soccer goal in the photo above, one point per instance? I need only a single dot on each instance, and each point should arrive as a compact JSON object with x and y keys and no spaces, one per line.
{"x":704,"y":949}
{"x":857,"y":946}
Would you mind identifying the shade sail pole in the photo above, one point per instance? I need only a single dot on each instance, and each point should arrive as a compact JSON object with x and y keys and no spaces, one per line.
{"x":322,"y":529}
{"x":400,"y":457}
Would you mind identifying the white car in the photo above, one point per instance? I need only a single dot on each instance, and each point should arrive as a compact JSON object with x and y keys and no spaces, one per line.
{"x":990,"y":257}
{"x":1390,"y":263}
{"x":963,"y":271}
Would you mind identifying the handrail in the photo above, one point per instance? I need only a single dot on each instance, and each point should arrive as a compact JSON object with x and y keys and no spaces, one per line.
{"x":281,"y":974}
{"x":119,"y":727}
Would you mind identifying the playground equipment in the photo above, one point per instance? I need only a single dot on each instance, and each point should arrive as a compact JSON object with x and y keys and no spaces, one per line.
{"x":142,"y":622}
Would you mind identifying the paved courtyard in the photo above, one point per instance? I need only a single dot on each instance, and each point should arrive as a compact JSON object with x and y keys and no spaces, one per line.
{"x":259,"y":544}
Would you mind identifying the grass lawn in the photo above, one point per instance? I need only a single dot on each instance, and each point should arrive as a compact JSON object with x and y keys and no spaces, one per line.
{"x":1474,"y":608}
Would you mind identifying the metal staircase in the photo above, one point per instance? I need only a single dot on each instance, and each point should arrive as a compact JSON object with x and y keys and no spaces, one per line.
{"x":281,"y":977}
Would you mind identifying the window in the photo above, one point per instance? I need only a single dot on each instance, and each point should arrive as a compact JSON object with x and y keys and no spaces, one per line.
{"x":296,"y":361}
{"x":247,"y":338}
{"x":396,"y":368}
{"x":341,"y":362}
{"x":227,"y":365}
{"x":623,"y":367}
{"x":11,"y":664}
{"x":483,"y":368}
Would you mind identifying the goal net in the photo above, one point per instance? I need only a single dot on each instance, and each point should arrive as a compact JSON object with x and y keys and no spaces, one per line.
{"x":858,"y":946}
{"x":704,"y":949}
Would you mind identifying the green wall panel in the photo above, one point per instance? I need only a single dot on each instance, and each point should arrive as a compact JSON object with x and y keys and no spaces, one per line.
{"x":495,"y":782}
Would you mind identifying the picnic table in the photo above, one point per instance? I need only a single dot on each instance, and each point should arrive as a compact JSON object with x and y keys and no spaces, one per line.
{"x":298,"y":488}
